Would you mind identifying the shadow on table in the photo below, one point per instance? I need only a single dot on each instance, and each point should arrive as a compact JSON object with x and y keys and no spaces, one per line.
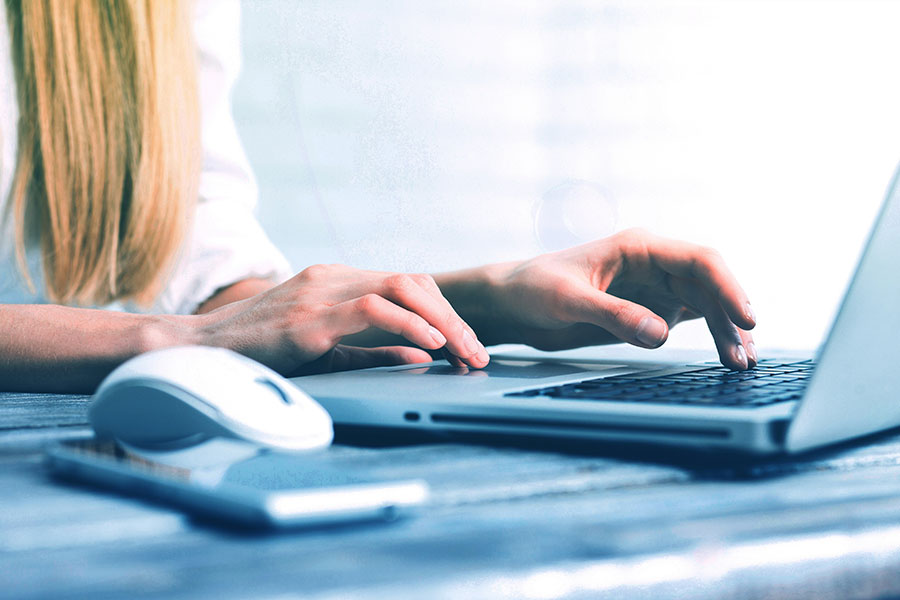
{"x":714,"y":465}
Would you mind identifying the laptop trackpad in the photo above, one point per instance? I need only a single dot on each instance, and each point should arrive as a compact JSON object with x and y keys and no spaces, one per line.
{"x":519,"y":369}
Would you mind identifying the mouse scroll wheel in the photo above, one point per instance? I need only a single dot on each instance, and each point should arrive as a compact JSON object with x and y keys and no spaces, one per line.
{"x":274,"y":386}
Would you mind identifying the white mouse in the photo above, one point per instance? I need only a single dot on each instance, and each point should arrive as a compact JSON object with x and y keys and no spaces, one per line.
{"x":177,"y":397}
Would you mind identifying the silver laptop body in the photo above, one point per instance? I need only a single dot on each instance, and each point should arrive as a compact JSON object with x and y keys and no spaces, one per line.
{"x":853,"y":391}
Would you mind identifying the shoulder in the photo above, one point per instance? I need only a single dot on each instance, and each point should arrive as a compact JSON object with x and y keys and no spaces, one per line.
{"x":217,"y":28}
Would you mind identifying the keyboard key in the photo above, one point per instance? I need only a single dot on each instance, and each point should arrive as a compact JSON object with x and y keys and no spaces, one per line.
{"x":768,"y":383}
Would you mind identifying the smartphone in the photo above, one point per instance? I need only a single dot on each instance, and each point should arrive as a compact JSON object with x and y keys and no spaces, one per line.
{"x":240,"y":483}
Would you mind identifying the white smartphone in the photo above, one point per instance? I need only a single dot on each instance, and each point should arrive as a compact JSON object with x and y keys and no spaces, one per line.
{"x":239,"y":483}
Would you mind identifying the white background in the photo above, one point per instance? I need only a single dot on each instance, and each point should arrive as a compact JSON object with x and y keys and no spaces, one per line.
{"x":424,"y":136}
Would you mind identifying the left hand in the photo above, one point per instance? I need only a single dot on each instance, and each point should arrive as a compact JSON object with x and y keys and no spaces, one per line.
{"x":630,"y":287}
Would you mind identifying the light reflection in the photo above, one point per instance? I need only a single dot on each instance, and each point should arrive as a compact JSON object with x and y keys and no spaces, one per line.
{"x":572,"y":213}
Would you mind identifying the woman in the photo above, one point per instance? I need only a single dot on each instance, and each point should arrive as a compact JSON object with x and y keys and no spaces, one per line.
{"x":125,"y":187}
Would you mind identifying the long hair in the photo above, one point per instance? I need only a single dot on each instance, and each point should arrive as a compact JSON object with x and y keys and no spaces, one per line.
{"x":108,"y":143}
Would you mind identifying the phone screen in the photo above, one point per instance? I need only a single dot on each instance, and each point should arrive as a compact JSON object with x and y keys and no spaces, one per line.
{"x":237,"y":480}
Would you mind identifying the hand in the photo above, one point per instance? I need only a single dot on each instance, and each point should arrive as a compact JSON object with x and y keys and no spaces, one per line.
{"x":297,"y":326}
{"x":630,"y":287}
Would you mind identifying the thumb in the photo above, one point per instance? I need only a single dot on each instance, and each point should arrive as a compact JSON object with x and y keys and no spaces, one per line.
{"x":345,"y":358}
{"x":628,"y":321}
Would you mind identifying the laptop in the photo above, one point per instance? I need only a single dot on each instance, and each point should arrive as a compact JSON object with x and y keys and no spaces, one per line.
{"x":849,"y":389}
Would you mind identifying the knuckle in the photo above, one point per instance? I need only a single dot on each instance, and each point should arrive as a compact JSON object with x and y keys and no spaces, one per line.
{"x":623,"y":314}
{"x":636,"y":232}
{"x":314,"y":272}
{"x":320,"y":344}
{"x":453,"y":324}
{"x":411,"y":323}
{"x":424,"y":279}
{"x":399,"y":283}
{"x":368,"y":304}
{"x":708,"y":258}
{"x":710,"y":253}
{"x":634,"y":241}
{"x":633,"y":234}
{"x":447,"y":321}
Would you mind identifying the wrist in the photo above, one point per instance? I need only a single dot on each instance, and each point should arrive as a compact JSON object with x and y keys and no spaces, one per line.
{"x":165,"y":331}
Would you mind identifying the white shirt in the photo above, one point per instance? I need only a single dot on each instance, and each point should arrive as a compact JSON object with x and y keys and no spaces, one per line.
{"x":227,"y":243}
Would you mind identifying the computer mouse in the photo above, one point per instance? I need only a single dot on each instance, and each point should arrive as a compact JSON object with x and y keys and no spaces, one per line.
{"x":176,"y":397}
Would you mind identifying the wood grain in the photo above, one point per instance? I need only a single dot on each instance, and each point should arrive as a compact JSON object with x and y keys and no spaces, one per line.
{"x":506,"y":521}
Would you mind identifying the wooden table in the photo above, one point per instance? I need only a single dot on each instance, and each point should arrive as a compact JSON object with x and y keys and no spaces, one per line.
{"x":506,"y":521}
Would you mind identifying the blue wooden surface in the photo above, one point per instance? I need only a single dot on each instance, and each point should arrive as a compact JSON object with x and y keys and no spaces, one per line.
{"x":506,"y":521}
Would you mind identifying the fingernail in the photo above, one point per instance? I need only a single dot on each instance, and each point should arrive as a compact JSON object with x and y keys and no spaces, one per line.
{"x":437,"y":336}
{"x":483,"y":356}
{"x":748,"y":310}
{"x":651,"y":332}
{"x":751,"y":352}
{"x":470,"y":343}
{"x":740,"y":355}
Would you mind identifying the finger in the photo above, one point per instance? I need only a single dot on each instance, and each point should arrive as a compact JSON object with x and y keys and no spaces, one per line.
{"x":628,"y":321}
{"x":353,"y":357}
{"x":707,"y":266}
{"x":452,"y":358}
{"x":372,"y":310}
{"x":409,"y":291}
{"x":726,"y":334}
{"x":750,"y":346}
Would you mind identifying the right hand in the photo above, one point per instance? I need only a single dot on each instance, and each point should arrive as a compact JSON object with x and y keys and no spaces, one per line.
{"x":297,"y":326}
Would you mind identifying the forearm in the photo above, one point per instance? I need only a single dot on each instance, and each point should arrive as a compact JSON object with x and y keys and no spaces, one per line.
{"x":52,"y":348}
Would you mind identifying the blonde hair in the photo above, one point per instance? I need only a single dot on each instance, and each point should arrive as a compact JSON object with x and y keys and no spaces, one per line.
{"x":108,"y":143}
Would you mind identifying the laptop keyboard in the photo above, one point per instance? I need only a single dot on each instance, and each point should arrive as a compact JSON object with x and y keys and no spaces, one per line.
{"x":767,"y":383}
